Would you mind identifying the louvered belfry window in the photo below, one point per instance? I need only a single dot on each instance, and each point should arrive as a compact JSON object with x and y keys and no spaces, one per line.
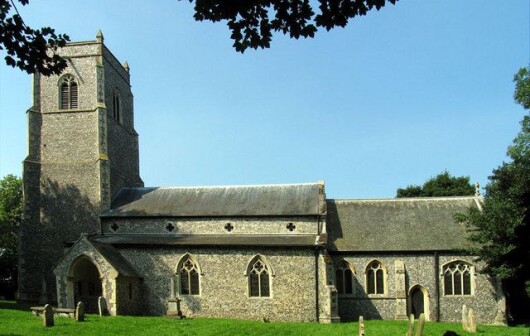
{"x":189,"y":277}
{"x":259,"y":284}
{"x":116,"y":106}
{"x":68,"y":93}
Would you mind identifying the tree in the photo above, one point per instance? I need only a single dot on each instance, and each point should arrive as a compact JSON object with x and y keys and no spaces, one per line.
{"x":31,"y":50}
{"x":10,"y":217}
{"x":441,"y":185}
{"x":250,"y":21}
{"x":501,"y":230}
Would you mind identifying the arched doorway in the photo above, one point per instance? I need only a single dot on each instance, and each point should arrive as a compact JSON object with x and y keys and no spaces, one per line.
{"x":86,"y":283}
{"x":419,"y":302}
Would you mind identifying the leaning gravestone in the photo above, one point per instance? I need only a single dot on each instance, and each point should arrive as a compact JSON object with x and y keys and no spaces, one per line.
{"x":47,"y":316}
{"x":80,"y":312}
{"x":421,"y":325}
{"x":410,"y":330}
{"x":102,"y":306}
{"x":464,"y":318}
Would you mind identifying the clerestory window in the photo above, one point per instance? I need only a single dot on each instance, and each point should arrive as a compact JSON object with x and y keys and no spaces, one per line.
{"x":457,"y":278}
{"x":258,"y":278}
{"x":68,"y":95}
{"x":188,"y":273}
{"x":375,"y":278}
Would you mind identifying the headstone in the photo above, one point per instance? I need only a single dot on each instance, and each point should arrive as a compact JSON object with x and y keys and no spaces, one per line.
{"x":361,"y":326}
{"x":464,"y":317}
{"x":47,"y":316}
{"x":421,"y":325}
{"x":472,"y":321}
{"x":102,"y":306}
{"x":80,"y":312}
{"x":410,"y":330}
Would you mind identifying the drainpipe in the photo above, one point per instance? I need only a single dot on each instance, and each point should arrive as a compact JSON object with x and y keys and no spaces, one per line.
{"x":437,"y":282}
{"x":317,"y":317}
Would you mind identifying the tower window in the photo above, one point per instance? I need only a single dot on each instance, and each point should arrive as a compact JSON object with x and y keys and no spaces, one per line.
{"x":116,"y":106}
{"x":68,"y":98}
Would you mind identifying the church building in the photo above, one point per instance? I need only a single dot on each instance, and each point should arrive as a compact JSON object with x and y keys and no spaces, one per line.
{"x":276,"y":252}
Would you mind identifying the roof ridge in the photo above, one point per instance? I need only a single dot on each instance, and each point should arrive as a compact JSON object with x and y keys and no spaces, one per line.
{"x":405,"y":199}
{"x":235,"y":186}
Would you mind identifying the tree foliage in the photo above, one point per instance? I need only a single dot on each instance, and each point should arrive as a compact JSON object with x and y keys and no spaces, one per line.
{"x":502,"y":228}
{"x":10,"y":218}
{"x":31,"y":50}
{"x":442,"y":184}
{"x":253,"y":21}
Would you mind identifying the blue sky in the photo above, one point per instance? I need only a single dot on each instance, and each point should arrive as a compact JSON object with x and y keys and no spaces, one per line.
{"x":394,"y":98}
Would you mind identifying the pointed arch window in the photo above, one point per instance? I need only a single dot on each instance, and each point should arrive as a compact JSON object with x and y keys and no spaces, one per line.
{"x":116,"y":106}
{"x":189,"y":279}
{"x":68,"y":93}
{"x":375,"y":278}
{"x":344,"y":278}
{"x":259,"y":278}
{"x":457,"y":278}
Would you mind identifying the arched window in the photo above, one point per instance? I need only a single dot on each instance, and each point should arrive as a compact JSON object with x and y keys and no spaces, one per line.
{"x":457,"y":278}
{"x":116,"y":106}
{"x":344,"y":278}
{"x":68,"y":95}
{"x":258,"y":278}
{"x":188,"y":274}
{"x":375,"y":278}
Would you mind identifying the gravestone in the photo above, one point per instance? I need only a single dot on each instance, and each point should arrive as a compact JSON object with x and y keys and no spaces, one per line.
{"x":421,"y":325}
{"x":464,"y":317}
{"x":361,"y":326}
{"x":80,"y":312}
{"x":472,"y":321}
{"x":102,"y":306}
{"x":410,"y":330}
{"x":47,"y":316}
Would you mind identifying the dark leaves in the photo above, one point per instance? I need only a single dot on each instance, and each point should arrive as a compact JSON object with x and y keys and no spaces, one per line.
{"x":28,"y":49}
{"x":252,"y":21}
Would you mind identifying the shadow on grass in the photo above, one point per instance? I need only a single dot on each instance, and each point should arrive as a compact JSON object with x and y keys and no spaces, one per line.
{"x":13,"y":305}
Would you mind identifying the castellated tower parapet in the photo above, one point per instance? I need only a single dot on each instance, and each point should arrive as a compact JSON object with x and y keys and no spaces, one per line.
{"x":82,"y":149}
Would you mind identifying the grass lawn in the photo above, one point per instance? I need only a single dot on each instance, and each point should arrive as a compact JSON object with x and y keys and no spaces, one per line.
{"x":18,"y":320}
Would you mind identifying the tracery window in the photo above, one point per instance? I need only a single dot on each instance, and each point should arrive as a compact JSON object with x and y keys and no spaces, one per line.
{"x":188,"y":273}
{"x":116,"y":106}
{"x":344,"y":278}
{"x":259,"y":278}
{"x":457,"y":278}
{"x":375,"y":278}
{"x":68,"y":96}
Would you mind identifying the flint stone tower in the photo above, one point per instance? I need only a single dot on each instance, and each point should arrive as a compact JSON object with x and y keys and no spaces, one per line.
{"x":82,"y":149}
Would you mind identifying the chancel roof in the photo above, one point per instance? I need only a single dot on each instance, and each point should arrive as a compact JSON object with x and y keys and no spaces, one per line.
{"x":252,"y":200}
{"x":400,"y":224}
